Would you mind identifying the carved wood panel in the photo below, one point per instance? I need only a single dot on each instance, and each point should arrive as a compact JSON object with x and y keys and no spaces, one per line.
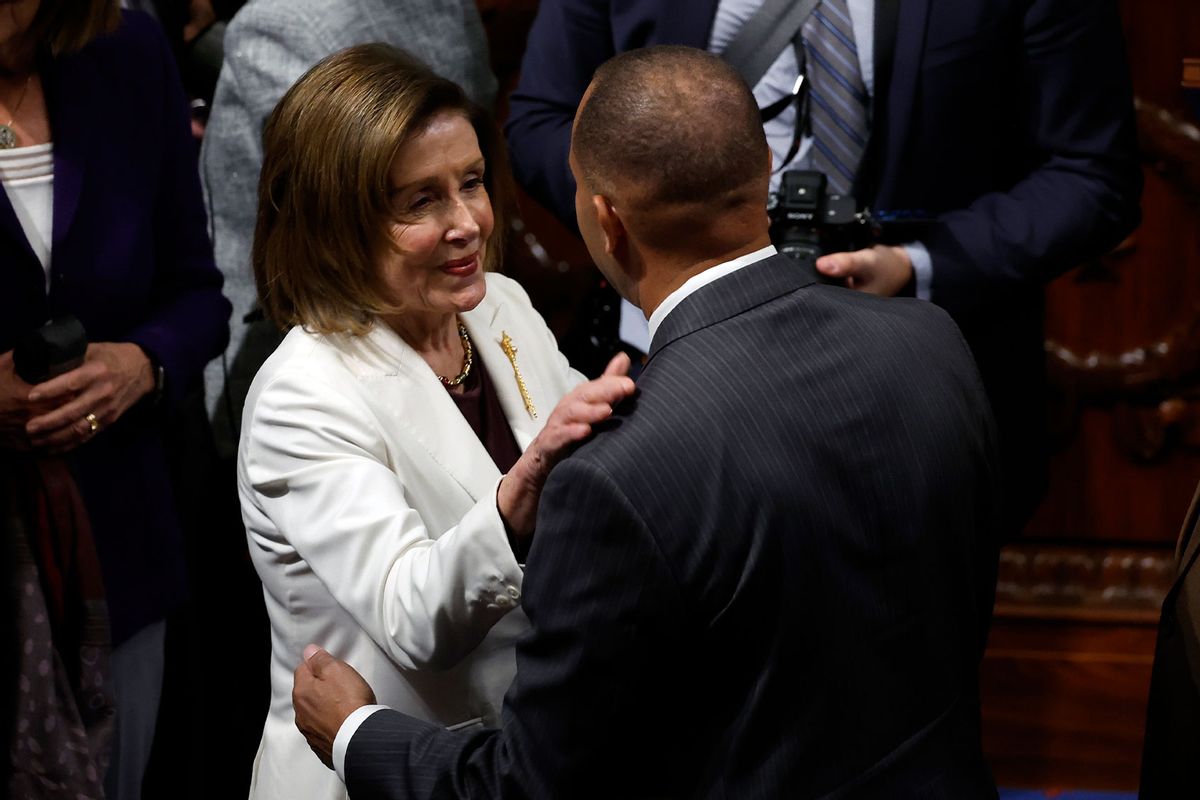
{"x":1067,"y":671}
{"x":1124,"y":333}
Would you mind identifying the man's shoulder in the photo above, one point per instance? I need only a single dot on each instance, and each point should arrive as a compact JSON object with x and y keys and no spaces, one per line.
{"x":814,"y":343}
{"x":898,"y":312}
{"x":804,"y":314}
{"x":883,"y":327}
{"x":643,"y":428}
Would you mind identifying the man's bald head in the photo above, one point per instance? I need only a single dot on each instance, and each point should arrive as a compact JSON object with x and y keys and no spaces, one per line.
{"x":671,"y":126}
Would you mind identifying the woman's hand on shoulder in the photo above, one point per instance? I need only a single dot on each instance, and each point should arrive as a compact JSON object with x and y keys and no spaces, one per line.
{"x":569,"y":424}
{"x":113,"y":376}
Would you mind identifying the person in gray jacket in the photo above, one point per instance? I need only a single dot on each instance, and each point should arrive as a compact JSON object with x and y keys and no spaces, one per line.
{"x":269,"y":44}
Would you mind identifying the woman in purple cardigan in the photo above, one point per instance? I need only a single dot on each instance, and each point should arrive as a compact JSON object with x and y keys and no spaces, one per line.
{"x":101,"y":217}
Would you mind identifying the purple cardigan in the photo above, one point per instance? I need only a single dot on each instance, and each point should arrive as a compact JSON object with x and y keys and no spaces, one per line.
{"x":132,"y":260}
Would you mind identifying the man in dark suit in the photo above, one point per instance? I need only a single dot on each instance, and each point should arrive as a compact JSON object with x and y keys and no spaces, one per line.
{"x":1173,"y":717}
{"x":1008,"y":121}
{"x":771,"y":574}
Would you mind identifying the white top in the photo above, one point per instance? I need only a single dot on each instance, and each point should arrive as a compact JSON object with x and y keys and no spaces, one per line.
{"x":27,"y":175}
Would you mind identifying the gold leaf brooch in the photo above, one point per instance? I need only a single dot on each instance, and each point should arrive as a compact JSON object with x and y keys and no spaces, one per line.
{"x":510,"y":350}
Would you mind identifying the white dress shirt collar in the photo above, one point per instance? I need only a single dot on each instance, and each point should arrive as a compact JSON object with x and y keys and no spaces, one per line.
{"x":704,"y":279}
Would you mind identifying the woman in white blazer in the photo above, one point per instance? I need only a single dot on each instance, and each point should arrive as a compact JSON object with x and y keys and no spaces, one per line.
{"x":394,"y":446}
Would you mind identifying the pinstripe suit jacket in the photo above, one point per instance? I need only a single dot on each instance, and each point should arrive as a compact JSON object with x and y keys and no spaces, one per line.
{"x":769,"y":577}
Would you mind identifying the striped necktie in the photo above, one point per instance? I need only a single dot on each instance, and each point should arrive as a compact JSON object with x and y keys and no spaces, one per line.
{"x":837,"y":96}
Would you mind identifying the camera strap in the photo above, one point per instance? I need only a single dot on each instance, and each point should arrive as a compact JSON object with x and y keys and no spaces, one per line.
{"x":756,"y":46}
{"x":762,"y":38}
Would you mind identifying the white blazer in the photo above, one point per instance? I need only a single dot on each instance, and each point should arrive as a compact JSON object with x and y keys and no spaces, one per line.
{"x":370,"y":509}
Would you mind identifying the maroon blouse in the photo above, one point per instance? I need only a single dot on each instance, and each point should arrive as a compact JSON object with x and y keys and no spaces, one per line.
{"x":481,"y":409}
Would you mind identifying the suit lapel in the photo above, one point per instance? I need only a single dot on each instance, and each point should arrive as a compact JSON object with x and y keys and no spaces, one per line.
{"x":415,"y":400}
{"x":907,"y":19}
{"x":884,"y":44}
{"x":71,"y":92}
{"x":731,"y":295}
{"x":887,"y":19}
{"x":425,"y":409}
{"x":487,"y":326}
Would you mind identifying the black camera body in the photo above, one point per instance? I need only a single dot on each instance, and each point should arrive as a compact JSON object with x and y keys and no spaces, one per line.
{"x":807,"y":221}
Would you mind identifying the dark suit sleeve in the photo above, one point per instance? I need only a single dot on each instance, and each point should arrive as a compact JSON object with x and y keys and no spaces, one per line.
{"x":604,"y":610}
{"x":568,"y":41}
{"x":1081,"y":195}
{"x":188,"y":323}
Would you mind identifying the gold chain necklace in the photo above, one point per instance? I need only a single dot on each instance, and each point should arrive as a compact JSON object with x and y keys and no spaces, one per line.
{"x":8,"y":137}
{"x":467,"y":357}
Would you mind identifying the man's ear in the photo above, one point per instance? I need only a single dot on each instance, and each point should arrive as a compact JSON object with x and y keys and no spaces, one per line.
{"x":611,"y":225}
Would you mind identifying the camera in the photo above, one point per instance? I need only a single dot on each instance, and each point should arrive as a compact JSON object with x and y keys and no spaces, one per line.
{"x":808,"y":222}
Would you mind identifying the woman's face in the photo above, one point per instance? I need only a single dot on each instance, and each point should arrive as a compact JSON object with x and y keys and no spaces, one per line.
{"x":442,"y":217}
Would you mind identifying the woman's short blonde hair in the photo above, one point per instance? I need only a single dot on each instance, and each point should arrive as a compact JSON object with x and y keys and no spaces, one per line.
{"x":323,"y":195}
{"x":67,"y":26}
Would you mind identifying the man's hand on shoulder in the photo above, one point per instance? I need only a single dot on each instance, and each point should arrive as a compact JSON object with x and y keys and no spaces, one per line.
{"x":882,"y":269}
{"x":326,"y":691}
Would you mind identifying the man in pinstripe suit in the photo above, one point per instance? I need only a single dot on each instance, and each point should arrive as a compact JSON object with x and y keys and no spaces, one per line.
{"x":770,"y":574}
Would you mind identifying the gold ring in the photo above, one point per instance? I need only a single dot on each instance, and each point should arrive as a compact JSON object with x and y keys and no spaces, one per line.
{"x":92,"y":422}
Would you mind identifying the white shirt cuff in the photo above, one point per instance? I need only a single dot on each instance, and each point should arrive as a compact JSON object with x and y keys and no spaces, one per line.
{"x":922,"y":265}
{"x":341,"y":742}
